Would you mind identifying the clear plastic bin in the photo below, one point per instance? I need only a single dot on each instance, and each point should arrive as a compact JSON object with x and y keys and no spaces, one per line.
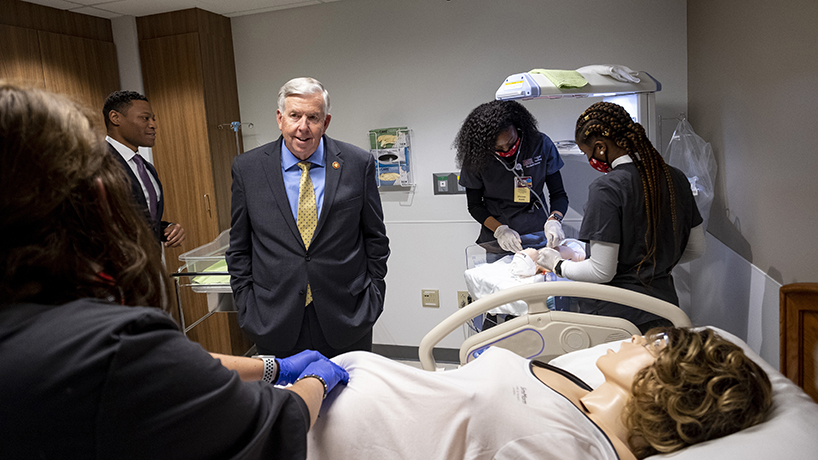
{"x":206,"y":267}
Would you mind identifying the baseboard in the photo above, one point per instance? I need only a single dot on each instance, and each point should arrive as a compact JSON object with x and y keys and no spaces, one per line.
{"x":407,"y":353}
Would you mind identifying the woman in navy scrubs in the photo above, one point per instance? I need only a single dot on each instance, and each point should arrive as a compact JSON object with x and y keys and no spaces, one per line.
{"x":506,"y":164}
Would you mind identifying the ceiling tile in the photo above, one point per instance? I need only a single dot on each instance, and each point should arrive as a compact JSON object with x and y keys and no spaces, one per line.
{"x":91,"y":11}
{"x":232,"y":8}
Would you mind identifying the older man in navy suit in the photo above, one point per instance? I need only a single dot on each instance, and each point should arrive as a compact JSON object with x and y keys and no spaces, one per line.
{"x":131,"y":124}
{"x":308,"y":245}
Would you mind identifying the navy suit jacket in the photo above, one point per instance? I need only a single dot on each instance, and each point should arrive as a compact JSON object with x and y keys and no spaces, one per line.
{"x":270,"y":267}
{"x":158,"y":226}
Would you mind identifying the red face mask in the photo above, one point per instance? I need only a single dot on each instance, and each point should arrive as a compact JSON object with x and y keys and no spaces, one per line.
{"x":512,"y":150}
{"x":600,"y":166}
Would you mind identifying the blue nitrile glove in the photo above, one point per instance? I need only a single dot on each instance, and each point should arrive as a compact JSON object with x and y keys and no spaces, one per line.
{"x":290,"y":368}
{"x":330,"y":373}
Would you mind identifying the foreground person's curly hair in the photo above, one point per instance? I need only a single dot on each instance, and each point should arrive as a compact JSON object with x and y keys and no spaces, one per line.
{"x":700,"y":387}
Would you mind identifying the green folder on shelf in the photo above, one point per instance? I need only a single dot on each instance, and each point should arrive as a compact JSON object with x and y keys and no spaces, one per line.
{"x":220,"y":266}
{"x":563,"y":78}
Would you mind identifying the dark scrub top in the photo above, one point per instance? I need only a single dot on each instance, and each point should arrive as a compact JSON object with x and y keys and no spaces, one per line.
{"x":615,"y":213}
{"x":90,"y":379}
{"x":495,"y":185}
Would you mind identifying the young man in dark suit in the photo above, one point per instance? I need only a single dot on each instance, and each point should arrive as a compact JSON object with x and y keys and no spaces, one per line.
{"x":131,"y":124}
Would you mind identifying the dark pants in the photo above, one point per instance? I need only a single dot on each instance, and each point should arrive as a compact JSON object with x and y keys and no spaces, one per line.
{"x":312,"y":338}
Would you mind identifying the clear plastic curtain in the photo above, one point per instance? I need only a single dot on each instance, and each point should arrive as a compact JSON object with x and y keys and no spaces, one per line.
{"x":691,"y":154}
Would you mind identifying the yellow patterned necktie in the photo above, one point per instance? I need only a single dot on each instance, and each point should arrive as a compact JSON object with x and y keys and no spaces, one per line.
{"x":307,"y":211}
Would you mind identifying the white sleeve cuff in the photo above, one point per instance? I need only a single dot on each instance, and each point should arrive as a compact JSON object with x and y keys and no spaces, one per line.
{"x":599,"y":268}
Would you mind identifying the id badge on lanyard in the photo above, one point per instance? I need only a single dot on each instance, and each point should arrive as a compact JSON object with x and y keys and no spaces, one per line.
{"x":522,"y":193}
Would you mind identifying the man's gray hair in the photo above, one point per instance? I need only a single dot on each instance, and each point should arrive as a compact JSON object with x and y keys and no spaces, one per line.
{"x":302,"y":86}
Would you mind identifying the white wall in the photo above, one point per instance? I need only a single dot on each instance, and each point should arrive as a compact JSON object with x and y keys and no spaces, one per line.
{"x":753,"y":73}
{"x":425,"y":64}
{"x":126,"y":41}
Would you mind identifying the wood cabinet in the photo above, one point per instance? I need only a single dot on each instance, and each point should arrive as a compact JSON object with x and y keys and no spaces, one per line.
{"x":190,"y":80}
{"x":60,"y":51}
{"x":799,"y":335}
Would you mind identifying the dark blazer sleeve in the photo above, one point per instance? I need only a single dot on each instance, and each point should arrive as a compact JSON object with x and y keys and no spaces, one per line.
{"x":239,"y":253}
{"x":376,"y":243}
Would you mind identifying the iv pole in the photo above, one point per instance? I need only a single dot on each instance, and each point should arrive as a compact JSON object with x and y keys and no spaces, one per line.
{"x":236,"y":126}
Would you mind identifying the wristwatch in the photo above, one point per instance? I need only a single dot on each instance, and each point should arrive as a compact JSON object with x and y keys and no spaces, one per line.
{"x":270,"y":368}
{"x":556,"y":216}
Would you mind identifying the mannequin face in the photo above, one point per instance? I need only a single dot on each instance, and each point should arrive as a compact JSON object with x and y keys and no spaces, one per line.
{"x":619,"y":368}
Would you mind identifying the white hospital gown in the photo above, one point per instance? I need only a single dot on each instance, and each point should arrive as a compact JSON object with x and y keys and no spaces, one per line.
{"x":493,"y":408}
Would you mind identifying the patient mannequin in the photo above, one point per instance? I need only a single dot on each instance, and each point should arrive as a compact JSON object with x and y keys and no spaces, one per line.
{"x":504,"y":406}
{"x":524,"y":263}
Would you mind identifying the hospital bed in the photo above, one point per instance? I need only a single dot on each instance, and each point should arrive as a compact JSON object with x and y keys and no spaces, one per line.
{"x":544,"y":333}
{"x":789,"y":431}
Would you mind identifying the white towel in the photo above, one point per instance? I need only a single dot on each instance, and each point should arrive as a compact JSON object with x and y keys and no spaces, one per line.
{"x":618,"y":72}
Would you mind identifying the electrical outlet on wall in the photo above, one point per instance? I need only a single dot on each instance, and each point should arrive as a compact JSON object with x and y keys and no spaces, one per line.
{"x":430,"y":297}
{"x":463,"y":299}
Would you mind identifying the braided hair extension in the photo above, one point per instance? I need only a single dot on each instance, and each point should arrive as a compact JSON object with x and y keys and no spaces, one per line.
{"x":612,"y":121}
{"x":477,"y":137}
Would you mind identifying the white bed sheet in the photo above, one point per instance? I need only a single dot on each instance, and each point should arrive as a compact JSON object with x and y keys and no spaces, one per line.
{"x":790,"y":432}
{"x":489,"y":278}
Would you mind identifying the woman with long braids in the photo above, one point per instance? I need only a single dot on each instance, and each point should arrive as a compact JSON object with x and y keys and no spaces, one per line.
{"x":505,"y":165}
{"x":640,"y":218}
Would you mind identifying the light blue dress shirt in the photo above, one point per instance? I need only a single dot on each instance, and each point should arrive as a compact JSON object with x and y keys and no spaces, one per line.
{"x":292,"y":176}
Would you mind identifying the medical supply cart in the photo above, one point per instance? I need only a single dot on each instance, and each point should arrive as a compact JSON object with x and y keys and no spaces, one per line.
{"x":204,"y":271}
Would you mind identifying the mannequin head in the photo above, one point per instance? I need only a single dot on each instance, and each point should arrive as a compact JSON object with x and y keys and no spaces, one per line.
{"x":700,"y":386}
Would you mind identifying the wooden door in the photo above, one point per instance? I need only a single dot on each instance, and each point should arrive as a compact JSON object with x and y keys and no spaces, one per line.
{"x":20,"y":60}
{"x":799,"y":335}
{"x":83,"y":68}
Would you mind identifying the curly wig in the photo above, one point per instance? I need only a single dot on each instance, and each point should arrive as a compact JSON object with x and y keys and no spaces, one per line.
{"x":477,"y":137}
{"x":65,"y":238}
{"x":700,"y":387}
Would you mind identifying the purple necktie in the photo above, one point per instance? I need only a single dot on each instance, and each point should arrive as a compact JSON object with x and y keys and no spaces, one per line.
{"x":146,"y":181}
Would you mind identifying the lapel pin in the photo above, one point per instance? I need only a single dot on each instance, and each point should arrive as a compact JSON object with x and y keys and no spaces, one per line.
{"x":335,"y":165}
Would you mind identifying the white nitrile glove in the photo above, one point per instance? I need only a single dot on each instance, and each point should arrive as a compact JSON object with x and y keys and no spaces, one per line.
{"x":508,"y":239}
{"x":548,"y":258}
{"x":553,"y":233}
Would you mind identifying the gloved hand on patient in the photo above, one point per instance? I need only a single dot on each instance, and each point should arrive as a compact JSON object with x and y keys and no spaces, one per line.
{"x":508,"y":239}
{"x":547,"y":258}
{"x":553,"y":233}
{"x":570,"y":249}
{"x":328,"y":372}
{"x":530,"y":261}
{"x":290,"y":368}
